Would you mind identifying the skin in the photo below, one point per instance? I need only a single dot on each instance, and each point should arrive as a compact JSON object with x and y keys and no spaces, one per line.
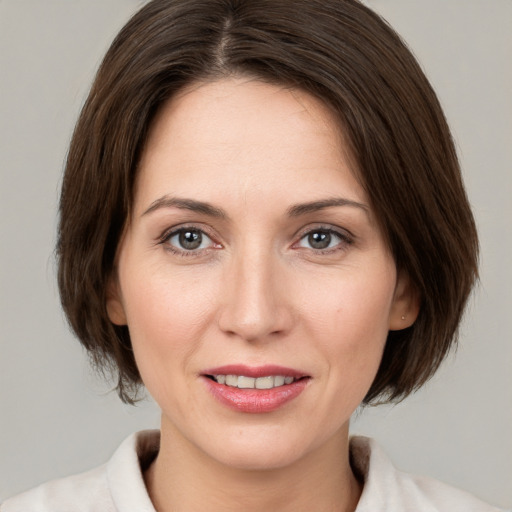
{"x":255,"y":292}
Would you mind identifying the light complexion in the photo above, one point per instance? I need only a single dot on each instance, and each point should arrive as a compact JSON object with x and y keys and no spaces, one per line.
{"x":252,"y":255}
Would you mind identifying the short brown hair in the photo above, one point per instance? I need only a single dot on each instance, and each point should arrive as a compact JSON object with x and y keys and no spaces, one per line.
{"x":337,"y":50}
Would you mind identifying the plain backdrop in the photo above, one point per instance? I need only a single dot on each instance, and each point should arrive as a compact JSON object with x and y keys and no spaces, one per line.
{"x":57,"y":418}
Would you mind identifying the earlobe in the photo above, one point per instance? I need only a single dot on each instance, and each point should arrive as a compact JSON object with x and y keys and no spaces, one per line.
{"x":115,"y":308}
{"x":406,"y":304}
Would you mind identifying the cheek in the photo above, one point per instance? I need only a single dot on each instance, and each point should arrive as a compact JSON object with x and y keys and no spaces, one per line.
{"x":353,"y":304}
{"x":349,"y":320}
{"x":167,"y":315}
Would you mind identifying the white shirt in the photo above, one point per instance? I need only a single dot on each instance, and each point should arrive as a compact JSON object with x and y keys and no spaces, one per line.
{"x":118,"y":486}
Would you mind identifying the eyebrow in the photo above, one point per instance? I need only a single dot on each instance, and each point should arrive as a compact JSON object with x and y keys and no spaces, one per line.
{"x":204,"y":208}
{"x":186,"y":204}
{"x":314,"y":206}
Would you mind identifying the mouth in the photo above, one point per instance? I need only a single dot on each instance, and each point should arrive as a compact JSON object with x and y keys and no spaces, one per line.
{"x":245,"y":382}
{"x":255,"y":389}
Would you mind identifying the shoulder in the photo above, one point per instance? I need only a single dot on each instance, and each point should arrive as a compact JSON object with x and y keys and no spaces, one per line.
{"x":386,"y":488}
{"x":117,"y":486}
{"x":77,"y":493}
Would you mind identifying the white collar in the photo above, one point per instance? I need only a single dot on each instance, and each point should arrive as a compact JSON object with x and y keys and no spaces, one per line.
{"x":385,"y":488}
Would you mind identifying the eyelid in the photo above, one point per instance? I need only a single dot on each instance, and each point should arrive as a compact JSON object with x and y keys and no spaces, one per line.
{"x":342,"y":232}
{"x":346,"y":237}
{"x":174,"y":230}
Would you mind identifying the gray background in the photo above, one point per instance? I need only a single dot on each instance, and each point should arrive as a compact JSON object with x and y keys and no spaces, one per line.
{"x":57,"y":418}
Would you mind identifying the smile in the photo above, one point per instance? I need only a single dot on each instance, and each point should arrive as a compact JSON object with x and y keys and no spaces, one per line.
{"x":255,"y":389}
{"x":245,"y":382}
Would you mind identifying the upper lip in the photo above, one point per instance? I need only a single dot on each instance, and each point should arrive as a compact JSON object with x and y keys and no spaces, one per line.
{"x":254,"y":371}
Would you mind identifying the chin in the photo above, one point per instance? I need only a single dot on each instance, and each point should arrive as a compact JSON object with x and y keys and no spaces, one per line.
{"x":260,"y":449}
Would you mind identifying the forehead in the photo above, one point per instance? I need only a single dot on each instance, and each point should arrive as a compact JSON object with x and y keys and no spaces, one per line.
{"x":245,"y":135}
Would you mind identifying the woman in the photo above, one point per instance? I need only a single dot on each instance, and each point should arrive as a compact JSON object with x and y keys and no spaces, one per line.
{"x":262,"y":220}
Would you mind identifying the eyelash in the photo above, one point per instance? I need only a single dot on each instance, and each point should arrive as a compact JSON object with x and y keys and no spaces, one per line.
{"x":345,"y":240}
{"x":168,"y":235}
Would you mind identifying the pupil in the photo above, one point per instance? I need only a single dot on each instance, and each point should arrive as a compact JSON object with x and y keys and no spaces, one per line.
{"x":190,"y":239}
{"x":319,"y":239}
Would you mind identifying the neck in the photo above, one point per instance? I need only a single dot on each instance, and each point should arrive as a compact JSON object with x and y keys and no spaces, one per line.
{"x":186,"y":479}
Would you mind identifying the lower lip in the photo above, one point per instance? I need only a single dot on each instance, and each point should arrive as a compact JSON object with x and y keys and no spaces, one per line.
{"x":255,"y":401}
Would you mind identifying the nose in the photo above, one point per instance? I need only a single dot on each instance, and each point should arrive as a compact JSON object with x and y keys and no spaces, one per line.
{"x":257,"y":302}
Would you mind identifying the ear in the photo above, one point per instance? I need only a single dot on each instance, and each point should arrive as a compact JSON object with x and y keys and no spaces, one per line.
{"x":115,"y":308}
{"x":406,"y":304}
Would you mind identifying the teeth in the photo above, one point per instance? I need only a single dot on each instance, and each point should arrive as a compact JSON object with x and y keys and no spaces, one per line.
{"x":278,"y":380}
{"x":265,"y":382}
{"x":246,"y":382}
{"x":243,"y":382}
{"x":232,"y":380}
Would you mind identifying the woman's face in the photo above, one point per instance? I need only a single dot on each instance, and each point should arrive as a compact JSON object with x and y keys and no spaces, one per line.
{"x":255,"y":282}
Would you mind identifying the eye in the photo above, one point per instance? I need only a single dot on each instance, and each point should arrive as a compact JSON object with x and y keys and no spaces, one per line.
{"x":321,"y":239}
{"x":188,"y":240}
